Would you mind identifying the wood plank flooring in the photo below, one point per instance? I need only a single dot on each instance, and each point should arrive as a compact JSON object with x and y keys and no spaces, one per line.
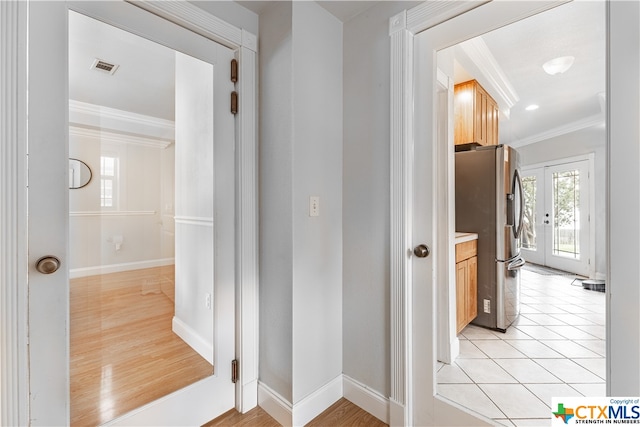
{"x":123,"y":353}
{"x":341,"y":414}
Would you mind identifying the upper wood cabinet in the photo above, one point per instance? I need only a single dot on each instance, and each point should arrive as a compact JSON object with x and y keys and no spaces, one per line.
{"x":476,"y":115}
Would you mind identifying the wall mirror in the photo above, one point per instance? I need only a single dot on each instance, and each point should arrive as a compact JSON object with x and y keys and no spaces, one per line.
{"x":79,"y":174}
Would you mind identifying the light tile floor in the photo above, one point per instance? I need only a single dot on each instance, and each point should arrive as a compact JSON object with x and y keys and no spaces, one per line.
{"x":556,"y":348}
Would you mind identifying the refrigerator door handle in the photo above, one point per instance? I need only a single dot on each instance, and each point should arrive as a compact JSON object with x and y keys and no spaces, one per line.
{"x":517,"y":263}
{"x":516,"y":179}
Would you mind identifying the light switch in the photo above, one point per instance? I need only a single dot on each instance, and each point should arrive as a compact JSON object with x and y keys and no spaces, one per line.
{"x":314,"y":206}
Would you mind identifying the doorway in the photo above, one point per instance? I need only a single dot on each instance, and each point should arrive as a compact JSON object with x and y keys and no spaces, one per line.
{"x":48,"y":130}
{"x":558,"y":210}
{"x":422,"y":68}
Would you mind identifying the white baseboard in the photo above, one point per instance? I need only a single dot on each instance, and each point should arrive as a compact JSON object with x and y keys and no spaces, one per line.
{"x":191,"y":337}
{"x":366,"y":398}
{"x":117,"y":268}
{"x":275,"y":405}
{"x":396,"y":414}
{"x":315,"y":403}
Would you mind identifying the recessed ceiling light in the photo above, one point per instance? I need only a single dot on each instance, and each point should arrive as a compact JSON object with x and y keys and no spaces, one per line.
{"x":558,"y":65}
{"x":532,"y":107}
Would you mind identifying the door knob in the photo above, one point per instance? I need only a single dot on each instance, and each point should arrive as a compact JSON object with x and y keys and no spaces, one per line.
{"x":421,"y":251}
{"x":48,"y":264}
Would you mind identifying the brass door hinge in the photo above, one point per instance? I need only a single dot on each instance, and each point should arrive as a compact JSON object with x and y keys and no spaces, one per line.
{"x":234,"y":70}
{"x":235,"y":370}
{"x":234,"y":102}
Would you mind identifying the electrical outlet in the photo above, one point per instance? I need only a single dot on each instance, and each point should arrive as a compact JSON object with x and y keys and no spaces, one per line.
{"x":207,"y":301}
{"x":314,"y":206}
{"x":487,"y":306}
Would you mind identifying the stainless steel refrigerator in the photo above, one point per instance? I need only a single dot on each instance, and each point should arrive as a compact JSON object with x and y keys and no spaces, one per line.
{"x":489,"y":202}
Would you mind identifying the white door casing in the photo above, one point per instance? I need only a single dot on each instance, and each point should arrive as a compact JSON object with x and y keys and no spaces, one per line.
{"x":39,"y":394}
{"x":416,"y":36}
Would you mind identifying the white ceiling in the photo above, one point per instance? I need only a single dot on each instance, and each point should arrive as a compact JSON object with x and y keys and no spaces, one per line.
{"x":144,"y":82}
{"x":567,"y":101}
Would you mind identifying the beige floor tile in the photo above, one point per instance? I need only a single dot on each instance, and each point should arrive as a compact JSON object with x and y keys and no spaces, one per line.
{"x":484,"y":371}
{"x":570,"y":349}
{"x":515,"y":400}
{"x":546,"y":392}
{"x":452,"y":374}
{"x":540,"y":333}
{"x":597,"y":366}
{"x":535,"y":349}
{"x":571,"y":332}
{"x":568,"y":371}
{"x":597,"y":346}
{"x":527,"y":371}
{"x":498,"y":349}
{"x":468,"y":350}
{"x":591,"y":390}
{"x":470,"y":396}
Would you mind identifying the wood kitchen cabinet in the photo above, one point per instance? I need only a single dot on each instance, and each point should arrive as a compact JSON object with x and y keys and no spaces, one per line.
{"x":476,"y":115}
{"x":466,"y":283}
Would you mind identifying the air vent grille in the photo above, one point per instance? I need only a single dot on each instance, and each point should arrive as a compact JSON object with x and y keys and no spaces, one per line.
{"x":104,"y":66}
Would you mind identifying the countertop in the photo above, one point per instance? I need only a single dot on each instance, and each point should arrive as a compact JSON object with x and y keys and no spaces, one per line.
{"x":465,"y":237}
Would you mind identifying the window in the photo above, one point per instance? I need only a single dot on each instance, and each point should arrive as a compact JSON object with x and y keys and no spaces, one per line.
{"x":108,"y":181}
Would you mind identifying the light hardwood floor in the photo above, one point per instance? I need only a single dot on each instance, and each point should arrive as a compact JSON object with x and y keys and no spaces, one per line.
{"x":123,"y":353}
{"x":341,"y":414}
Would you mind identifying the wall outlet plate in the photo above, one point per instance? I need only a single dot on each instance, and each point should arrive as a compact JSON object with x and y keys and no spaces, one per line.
{"x":314,"y":206}
{"x":487,"y":306}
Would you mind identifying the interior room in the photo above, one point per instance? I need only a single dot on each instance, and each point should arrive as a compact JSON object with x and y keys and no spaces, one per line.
{"x":140,"y":237}
{"x":279,"y":271}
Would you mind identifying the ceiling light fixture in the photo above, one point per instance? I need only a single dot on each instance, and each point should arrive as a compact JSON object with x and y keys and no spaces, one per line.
{"x":558,"y":65}
{"x":532,"y":107}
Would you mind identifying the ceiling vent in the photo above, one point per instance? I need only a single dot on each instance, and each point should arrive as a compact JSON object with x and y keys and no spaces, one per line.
{"x":104,"y":66}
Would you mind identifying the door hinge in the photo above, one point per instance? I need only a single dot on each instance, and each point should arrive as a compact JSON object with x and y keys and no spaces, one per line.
{"x":234,"y":70}
{"x":234,"y":102}
{"x":235,"y":370}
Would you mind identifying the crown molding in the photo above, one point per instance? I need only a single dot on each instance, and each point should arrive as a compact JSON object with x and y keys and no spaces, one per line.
{"x":587,"y":122}
{"x":100,"y":117}
{"x":117,"y":138}
{"x":489,"y":73}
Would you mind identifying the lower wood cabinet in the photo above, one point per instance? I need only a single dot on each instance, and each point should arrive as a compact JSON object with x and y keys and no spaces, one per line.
{"x":466,"y":283}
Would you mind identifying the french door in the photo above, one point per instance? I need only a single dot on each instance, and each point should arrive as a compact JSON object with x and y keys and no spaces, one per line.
{"x":557,"y":216}
{"x":48,"y":204}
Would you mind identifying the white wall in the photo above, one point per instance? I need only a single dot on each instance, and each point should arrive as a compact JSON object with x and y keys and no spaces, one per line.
{"x":623,"y":95}
{"x":194,"y":204}
{"x":586,"y":141}
{"x":366,"y":232}
{"x":276,"y":191}
{"x":300,"y":156}
{"x":317,"y":171}
{"x":136,"y":217}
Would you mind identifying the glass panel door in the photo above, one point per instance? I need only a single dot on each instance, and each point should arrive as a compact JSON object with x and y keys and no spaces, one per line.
{"x":532,"y":237}
{"x":556,"y":217}
{"x":567,"y":210}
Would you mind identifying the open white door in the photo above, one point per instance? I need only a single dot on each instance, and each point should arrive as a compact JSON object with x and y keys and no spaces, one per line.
{"x":417,"y":165}
{"x":48,"y":205}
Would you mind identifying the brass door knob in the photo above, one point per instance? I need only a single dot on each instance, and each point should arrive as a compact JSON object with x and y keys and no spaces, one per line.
{"x":48,"y":264}
{"x":421,"y":251}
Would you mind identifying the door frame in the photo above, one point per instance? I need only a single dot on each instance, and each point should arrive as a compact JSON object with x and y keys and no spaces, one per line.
{"x":14,"y":256}
{"x":590,"y":158}
{"x":415,"y":382}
